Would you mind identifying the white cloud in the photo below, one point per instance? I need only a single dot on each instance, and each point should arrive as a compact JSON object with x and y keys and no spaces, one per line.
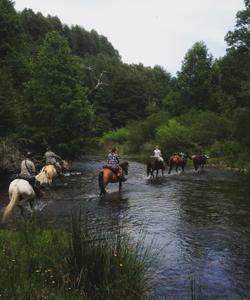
{"x":149,"y":31}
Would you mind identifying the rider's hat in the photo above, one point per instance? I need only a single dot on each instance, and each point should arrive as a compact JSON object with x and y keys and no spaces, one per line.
{"x":28,"y":154}
{"x":113,"y":149}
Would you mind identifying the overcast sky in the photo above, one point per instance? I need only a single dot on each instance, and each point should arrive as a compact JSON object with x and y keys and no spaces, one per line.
{"x":151,"y":32}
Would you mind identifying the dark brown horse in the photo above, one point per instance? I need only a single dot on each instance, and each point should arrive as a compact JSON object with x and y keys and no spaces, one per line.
{"x":107,"y":175}
{"x":199,"y":160}
{"x":155,"y":164}
{"x":178,"y":160}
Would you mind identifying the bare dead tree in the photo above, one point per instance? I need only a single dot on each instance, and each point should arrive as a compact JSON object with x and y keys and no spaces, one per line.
{"x":98,"y":83}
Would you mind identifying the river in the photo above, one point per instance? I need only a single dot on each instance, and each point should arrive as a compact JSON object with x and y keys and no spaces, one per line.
{"x":199,"y":222}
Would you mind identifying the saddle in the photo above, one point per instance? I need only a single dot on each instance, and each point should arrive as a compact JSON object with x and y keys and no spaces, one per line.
{"x":58,"y":169}
{"x":117,"y":172}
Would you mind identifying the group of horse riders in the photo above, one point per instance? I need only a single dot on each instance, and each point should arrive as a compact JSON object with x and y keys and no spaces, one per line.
{"x":28,"y":184}
{"x":28,"y":168}
{"x":112,"y":161}
{"x":177,"y":159}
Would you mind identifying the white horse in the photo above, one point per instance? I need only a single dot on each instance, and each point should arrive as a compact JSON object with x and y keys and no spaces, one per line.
{"x":21,"y":190}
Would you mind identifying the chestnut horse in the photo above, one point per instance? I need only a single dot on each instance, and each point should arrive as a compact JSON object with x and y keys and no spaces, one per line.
{"x":178,"y":160}
{"x":199,"y":160}
{"x":52,"y":172}
{"x":107,"y":175}
{"x":155,"y":164}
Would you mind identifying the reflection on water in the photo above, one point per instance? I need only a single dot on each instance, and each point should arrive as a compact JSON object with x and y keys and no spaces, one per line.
{"x":200,"y":221}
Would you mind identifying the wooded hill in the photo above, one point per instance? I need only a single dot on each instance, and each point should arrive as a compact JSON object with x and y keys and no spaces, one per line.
{"x":67,"y":87}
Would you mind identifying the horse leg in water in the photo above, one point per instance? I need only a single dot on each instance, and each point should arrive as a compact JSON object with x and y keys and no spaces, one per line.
{"x":120,"y":186}
{"x":101,"y":184}
{"x":149,"y":170}
{"x":21,"y":205}
{"x":31,"y":202}
{"x":21,"y":210}
{"x":170,"y":168}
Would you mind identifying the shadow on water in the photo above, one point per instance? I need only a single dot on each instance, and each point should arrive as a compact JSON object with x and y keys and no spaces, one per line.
{"x":199,"y":220}
{"x":114,"y":198}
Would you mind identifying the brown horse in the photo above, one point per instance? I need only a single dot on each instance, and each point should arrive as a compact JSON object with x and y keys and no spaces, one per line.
{"x":107,"y":175}
{"x":52,"y":172}
{"x":199,"y":160}
{"x":155,"y":164}
{"x":178,"y":160}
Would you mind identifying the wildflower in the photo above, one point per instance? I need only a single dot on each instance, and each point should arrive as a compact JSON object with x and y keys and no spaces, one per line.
{"x":121,"y":265}
{"x":53,"y":282}
{"x":38,"y":271}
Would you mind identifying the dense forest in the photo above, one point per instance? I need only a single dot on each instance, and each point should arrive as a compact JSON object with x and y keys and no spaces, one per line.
{"x":67,"y":87}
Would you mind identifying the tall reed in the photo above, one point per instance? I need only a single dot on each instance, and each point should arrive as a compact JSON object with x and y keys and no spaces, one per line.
{"x":48,"y":263}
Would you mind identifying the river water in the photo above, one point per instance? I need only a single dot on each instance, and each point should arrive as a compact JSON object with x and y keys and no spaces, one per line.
{"x":198,"y":222}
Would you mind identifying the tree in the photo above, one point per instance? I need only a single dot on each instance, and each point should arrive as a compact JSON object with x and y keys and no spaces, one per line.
{"x":240,"y":38}
{"x":194,"y":79}
{"x":58,"y":112}
{"x":242,"y":125}
{"x":235,"y":66}
{"x":10,"y":28}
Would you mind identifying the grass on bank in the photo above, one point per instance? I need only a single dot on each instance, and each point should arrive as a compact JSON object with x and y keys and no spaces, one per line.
{"x":42,"y":263}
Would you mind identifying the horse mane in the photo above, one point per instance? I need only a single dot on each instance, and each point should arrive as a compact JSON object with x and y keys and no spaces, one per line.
{"x":124,"y":164}
{"x":42,"y":177}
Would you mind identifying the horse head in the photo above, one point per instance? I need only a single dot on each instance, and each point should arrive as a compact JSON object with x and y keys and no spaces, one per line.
{"x":65,"y":166}
{"x":124,"y":165}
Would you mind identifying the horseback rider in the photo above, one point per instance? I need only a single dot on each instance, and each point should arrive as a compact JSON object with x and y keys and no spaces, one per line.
{"x":157,"y":154}
{"x":53,"y":159}
{"x":112,"y":163}
{"x":28,"y":172}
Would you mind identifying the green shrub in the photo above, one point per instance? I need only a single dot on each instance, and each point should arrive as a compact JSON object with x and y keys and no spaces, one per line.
{"x":119,"y":136}
{"x":141,"y":132}
{"x":173,"y":137}
{"x":229,"y":149}
{"x":206,"y":127}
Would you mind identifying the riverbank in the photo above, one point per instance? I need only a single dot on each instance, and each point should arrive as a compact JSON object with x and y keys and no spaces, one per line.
{"x":48,"y":263}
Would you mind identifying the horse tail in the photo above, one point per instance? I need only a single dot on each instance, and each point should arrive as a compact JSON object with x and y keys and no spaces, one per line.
{"x":100,"y":180}
{"x":8,"y":209}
